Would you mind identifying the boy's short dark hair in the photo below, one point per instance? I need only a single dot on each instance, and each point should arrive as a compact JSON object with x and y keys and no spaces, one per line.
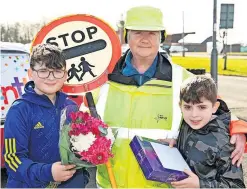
{"x":50,"y":55}
{"x":197,"y":87}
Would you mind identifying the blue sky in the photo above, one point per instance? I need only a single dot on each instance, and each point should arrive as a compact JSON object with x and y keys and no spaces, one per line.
{"x":198,"y":14}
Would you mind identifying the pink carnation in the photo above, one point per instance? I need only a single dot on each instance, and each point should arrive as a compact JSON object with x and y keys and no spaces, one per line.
{"x":100,"y":151}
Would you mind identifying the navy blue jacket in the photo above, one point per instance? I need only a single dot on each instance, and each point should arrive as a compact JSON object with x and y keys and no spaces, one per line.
{"x":31,"y":132}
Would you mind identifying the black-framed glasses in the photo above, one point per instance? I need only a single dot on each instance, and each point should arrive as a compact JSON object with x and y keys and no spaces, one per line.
{"x":44,"y":73}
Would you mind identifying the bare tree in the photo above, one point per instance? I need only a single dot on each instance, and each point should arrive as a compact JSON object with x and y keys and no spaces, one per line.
{"x":16,"y":32}
{"x":20,"y":32}
{"x":2,"y":31}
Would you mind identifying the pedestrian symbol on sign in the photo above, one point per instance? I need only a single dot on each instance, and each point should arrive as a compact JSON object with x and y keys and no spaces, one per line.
{"x":85,"y":66}
{"x":72,"y":72}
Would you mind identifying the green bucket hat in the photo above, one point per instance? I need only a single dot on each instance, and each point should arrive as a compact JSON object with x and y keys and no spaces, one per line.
{"x":144,"y":18}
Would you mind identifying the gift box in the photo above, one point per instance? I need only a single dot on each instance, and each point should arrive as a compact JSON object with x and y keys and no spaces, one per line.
{"x":158,"y":161}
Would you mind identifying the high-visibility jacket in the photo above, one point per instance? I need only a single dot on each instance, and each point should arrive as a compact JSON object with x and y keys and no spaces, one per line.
{"x":150,"y":110}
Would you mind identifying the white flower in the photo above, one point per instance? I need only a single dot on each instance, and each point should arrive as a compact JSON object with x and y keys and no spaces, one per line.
{"x":110,"y":135}
{"x":82,"y":142}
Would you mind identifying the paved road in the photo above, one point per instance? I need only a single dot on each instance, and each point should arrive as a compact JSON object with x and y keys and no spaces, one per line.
{"x":234,"y":91}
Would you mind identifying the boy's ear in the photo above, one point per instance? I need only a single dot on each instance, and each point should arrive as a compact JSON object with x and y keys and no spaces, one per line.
{"x":216,"y":106}
{"x":30,"y":74}
{"x":180,"y":104}
{"x":66,"y":75}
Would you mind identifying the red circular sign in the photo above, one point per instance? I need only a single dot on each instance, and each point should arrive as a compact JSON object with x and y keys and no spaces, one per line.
{"x":91,"y":46}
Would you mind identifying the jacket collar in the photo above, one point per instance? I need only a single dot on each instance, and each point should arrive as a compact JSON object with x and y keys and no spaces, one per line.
{"x":42,"y":100}
{"x":130,"y":70}
{"x":163,"y":71}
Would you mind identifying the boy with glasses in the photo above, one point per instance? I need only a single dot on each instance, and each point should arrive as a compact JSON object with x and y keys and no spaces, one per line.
{"x":32,"y":127}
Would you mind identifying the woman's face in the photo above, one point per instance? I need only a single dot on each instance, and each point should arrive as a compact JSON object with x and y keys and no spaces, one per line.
{"x":144,"y":44}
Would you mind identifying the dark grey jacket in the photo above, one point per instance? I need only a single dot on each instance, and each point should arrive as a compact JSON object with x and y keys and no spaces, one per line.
{"x":207,"y":151}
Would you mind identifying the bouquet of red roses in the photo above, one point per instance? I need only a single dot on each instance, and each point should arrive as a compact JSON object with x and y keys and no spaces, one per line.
{"x":84,"y":140}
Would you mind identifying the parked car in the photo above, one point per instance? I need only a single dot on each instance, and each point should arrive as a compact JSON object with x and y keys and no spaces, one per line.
{"x":175,"y":49}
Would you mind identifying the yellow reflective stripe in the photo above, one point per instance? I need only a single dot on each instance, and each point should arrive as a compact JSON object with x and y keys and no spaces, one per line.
{"x":129,"y":133}
{"x":6,"y":155}
{"x":14,"y":150}
{"x":177,"y":79}
{"x":103,"y":94}
{"x":10,"y":153}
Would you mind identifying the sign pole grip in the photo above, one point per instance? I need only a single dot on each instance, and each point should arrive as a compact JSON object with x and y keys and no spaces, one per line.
{"x":93,"y":112}
{"x":91,"y":105}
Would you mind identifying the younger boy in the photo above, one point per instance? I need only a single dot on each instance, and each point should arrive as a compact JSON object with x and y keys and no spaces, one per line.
{"x":32,"y":124}
{"x":204,"y":139}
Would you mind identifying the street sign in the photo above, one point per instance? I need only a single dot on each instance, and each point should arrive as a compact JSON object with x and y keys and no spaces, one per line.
{"x":226,"y":16}
{"x":91,"y":48}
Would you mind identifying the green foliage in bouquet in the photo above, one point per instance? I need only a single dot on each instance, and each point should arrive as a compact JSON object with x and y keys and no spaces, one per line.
{"x":84,"y":141}
{"x":67,"y":156}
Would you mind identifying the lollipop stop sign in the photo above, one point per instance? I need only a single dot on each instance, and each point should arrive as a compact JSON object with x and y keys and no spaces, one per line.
{"x":91,"y":48}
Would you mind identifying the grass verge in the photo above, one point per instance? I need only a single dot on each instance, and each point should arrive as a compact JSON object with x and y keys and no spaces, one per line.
{"x":236,"y":67}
